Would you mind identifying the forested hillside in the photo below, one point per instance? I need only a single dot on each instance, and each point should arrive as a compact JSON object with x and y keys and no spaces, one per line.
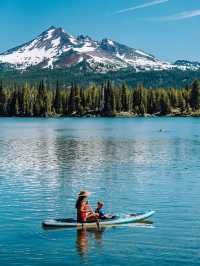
{"x":149,"y":79}
{"x":40,"y":100}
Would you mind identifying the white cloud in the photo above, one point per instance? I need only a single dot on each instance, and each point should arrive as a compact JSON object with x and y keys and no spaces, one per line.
{"x":153,"y":3}
{"x":180,"y":16}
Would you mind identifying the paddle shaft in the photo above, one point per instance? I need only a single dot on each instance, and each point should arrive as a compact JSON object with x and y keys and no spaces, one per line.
{"x":97,"y":220}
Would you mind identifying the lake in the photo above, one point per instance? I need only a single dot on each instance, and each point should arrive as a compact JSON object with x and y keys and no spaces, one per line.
{"x":132,"y":164}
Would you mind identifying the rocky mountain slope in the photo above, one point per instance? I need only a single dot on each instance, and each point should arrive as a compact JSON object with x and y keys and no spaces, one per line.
{"x":55,"y":48}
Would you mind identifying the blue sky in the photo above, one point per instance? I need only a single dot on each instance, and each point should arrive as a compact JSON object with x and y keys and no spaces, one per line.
{"x":169,"y":29}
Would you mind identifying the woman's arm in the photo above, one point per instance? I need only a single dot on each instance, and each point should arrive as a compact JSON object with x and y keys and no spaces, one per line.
{"x":84,"y":206}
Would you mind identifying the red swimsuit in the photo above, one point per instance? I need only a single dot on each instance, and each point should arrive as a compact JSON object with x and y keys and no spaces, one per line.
{"x":83,"y":212}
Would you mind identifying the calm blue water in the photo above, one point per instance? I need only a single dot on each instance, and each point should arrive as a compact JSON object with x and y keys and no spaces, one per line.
{"x":129,"y":163}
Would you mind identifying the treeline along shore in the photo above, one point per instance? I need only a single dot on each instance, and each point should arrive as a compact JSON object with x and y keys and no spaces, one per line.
{"x":105,"y":100}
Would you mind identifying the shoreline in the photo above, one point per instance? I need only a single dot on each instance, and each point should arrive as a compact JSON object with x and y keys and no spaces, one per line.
{"x":113,"y":115}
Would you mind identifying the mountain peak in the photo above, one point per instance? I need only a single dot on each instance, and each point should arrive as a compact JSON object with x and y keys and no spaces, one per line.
{"x":107,"y":41}
{"x":84,"y":38}
{"x":55,"y":48}
{"x":51,"y":28}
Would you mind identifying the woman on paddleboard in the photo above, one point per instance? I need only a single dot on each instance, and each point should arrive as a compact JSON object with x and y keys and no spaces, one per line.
{"x":84,"y":211}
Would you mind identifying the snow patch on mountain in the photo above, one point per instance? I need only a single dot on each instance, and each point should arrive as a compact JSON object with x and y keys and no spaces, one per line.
{"x":56,"y":42}
{"x":87,"y":47}
{"x":28,"y":55}
{"x":142,"y":53}
{"x":49,"y":34}
{"x":72,"y":39}
{"x":110,"y":42}
{"x":187,"y":65}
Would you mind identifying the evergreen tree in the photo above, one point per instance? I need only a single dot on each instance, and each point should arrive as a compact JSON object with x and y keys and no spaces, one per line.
{"x":58,"y":103}
{"x":72,"y":100}
{"x":14,"y":104}
{"x":195,"y":95}
{"x":124,"y":98}
{"x":109,"y":99}
{"x":165,"y":107}
{"x":2,"y":100}
{"x":77,"y":99}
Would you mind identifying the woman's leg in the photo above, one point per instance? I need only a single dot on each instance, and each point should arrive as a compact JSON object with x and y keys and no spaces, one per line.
{"x":92,"y":217}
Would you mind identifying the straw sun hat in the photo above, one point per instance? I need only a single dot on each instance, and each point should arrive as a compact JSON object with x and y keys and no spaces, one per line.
{"x":84,"y":193}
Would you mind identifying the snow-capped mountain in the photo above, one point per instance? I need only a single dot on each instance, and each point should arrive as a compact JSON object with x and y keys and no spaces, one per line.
{"x":41,"y":51}
{"x":187,"y":65}
{"x":55,"y":48}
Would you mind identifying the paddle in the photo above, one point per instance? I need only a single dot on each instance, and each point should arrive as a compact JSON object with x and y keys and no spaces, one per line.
{"x":97,"y":220}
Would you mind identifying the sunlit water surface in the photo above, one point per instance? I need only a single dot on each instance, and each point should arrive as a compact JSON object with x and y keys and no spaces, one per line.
{"x":132,"y":164}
